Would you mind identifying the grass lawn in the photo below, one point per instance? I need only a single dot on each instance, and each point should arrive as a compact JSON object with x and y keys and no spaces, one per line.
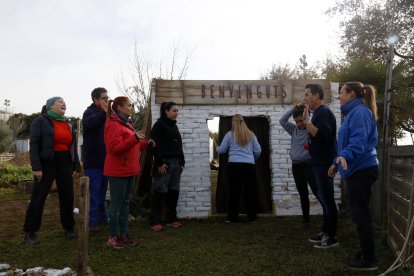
{"x":272,"y":246}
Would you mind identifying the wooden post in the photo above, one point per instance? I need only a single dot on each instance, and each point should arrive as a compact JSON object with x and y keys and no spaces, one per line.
{"x":83,"y":226}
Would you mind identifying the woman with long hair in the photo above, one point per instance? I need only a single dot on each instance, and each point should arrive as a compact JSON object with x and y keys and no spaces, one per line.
{"x":358,"y":164}
{"x":244,"y":150}
{"x":168,"y":165}
{"x":123,"y":146}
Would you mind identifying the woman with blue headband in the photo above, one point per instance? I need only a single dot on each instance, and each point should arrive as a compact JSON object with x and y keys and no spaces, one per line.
{"x":53,"y":156}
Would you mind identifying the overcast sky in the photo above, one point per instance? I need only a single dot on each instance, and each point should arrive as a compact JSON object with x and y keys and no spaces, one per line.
{"x":67,"y":48}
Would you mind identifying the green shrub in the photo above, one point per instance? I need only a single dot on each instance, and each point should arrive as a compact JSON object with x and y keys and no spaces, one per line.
{"x":11,"y":174}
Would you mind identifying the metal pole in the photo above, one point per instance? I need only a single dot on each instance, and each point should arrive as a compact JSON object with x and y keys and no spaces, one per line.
{"x":387,"y":103}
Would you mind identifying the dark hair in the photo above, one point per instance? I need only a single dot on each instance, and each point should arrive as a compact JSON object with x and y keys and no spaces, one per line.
{"x":366,"y":92}
{"x":44,"y":110}
{"x":114,"y":104}
{"x":96,"y":93}
{"x":316,"y":89}
{"x":298,"y":110}
{"x":166,"y":106}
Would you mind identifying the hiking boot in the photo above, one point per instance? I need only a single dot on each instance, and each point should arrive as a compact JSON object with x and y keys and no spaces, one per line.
{"x":69,"y":234}
{"x":30,"y":238}
{"x":116,"y":243}
{"x":361,"y":264}
{"x":127,"y":240}
{"x":317,"y":238}
{"x":175,"y":224}
{"x":157,"y":227}
{"x":326,"y":242}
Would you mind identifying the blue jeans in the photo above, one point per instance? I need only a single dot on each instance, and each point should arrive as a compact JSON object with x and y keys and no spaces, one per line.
{"x":98,"y":184}
{"x":325,"y":192}
{"x":121,"y":189}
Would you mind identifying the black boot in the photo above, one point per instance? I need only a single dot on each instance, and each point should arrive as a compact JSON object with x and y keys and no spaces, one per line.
{"x":157,"y":204}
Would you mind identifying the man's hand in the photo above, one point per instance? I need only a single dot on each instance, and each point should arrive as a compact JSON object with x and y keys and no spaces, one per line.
{"x":305,"y":115}
{"x":104,"y":105}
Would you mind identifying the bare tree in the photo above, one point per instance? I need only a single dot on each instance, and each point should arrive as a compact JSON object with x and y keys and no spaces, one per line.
{"x":143,"y":69}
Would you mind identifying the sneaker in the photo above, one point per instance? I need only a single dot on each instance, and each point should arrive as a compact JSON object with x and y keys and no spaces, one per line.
{"x":361,"y":264}
{"x":69,"y":234}
{"x":326,"y":242}
{"x":157,"y":227}
{"x":175,"y":224}
{"x":116,"y":243}
{"x":317,"y":238}
{"x":30,"y":238}
{"x":127,"y":240}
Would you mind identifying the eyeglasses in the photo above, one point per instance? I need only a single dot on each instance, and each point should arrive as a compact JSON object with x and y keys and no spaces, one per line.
{"x":104,"y":98}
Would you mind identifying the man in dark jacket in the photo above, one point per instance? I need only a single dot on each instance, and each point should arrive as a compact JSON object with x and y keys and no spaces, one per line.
{"x":323,"y":150}
{"x":93,"y":155}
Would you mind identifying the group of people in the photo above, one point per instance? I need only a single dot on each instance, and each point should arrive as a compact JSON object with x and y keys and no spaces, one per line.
{"x":317,"y":157}
{"x":111,"y":153}
{"x":111,"y":150}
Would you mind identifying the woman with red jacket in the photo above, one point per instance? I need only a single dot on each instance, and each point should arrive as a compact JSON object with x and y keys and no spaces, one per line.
{"x":123,"y":146}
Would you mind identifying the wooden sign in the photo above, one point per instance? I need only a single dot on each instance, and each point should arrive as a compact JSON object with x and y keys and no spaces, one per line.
{"x":232,"y":92}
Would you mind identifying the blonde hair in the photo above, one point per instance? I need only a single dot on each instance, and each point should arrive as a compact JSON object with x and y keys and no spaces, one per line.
{"x":241,"y":132}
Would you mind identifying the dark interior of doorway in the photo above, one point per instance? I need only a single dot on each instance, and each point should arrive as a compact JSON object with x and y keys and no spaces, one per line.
{"x":260,"y":126}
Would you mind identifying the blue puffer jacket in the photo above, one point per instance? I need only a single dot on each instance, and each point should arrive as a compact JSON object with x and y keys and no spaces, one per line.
{"x":357,"y":138}
{"x":93,"y":148}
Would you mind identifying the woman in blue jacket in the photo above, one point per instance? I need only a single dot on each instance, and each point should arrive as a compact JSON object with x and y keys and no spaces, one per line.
{"x":244,"y":150}
{"x":357,"y":163}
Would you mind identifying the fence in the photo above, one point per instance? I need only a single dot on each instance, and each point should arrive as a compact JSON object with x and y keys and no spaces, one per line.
{"x":4,"y":157}
{"x":400,"y":200}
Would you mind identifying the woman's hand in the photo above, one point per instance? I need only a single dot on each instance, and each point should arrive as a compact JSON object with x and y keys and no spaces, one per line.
{"x":342,"y":161}
{"x":163,"y":169}
{"x":74,"y":173}
{"x":37,"y":175}
{"x":152,"y":143}
{"x":140,"y":135}
{"x":332,"y":171}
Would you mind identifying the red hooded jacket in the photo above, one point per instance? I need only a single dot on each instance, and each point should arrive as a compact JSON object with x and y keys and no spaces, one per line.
{"x":122,"y":148}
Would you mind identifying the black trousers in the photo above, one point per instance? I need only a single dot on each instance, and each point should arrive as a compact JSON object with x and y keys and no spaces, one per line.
{"x":60,"y":169}
{"x":359,"y":187}
{"x":242,"y":174}
{"x":303,"y":175}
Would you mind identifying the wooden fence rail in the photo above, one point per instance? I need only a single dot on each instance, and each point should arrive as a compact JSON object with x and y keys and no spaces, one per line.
{"x":4,"y":157}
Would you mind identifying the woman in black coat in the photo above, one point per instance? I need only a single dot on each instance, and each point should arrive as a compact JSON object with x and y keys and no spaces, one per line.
{"x":53,"y":156}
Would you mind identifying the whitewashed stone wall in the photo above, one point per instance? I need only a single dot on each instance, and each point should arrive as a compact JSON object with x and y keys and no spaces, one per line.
{"x":195,"y":196}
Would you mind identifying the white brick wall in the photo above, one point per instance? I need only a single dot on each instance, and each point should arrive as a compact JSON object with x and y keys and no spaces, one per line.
{"x":195,"y":197}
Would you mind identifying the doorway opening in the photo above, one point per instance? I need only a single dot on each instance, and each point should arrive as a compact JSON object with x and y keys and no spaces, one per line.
{"x":261,"y":128}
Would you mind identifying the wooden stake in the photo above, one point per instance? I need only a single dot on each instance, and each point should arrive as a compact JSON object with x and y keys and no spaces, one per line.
{"x":83,"y":226}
